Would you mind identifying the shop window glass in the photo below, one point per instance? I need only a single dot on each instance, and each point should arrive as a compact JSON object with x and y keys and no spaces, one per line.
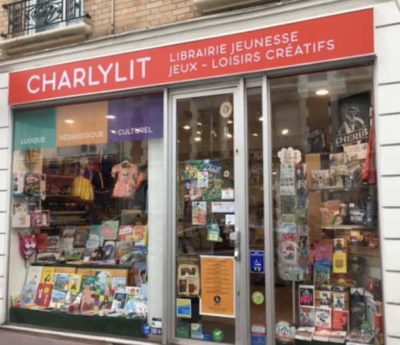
{"x":87,"y":217}
{"x":325,"y":208}
{"x":205,"y":291}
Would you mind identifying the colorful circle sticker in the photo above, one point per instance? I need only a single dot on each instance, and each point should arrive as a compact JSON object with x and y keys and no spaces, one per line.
{"x":257,"y":297}
{"x":226,"y":109}
{"x":227,"y":173}
{"x":217,"y":335}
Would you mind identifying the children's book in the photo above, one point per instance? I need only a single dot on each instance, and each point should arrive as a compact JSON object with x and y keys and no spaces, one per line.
{"x":61,"y":282}
{"x":74,"y":285}
{"x":43,"y":296}
{"x":34,"y":275}
{"x":139,"y":235}
{"x":306,"y":295}
{"x":118,"y":283}
{"x":140,"y":272}
{"x":28,"y":295}
{"x":323,"y":317}
{"x":199,"y":212}
{"x":109,"y":230}
{"x":340,"y":320}
{"x":93,"y":241}
{"x":119,"y":301}
{"x":125,"y":233}
{"x":123,"y":248}
{"x":57,"y":299}
{"x":88,"y":301}
{"x":109,"y":251}
{"x":81,"y":236}
{"x":48,"y":275}
{"x":307,"y":316}
{"x":73,"y":302}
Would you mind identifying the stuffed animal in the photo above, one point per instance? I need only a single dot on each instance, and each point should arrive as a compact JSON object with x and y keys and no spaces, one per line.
{"x":27,"y":245}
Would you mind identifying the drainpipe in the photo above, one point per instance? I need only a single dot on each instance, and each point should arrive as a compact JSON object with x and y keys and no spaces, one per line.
{"x":112,"y":16}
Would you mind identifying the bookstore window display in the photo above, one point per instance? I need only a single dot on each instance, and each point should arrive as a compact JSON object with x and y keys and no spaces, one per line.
{"x":325,"y":208}
{"x":86,"y":219}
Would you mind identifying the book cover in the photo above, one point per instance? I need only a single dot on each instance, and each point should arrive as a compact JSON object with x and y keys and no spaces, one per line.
{"x":323,"y":317}
{"x":140,"y":272}
{"x":67,"y":240}
{"x":125,"y":233}
{"x":34,"y":275}
{"x":320,"y":179}
{"x":74,"y":285}
{"x":123,"y":249}
{"x":109,"y":230}
{"x":109,"y":251}
{"x":307,"y":316}
{"x":61,"y":282}
{"x":324,"y":252}
{"x":42,"y":240}
{"x":73,"y":302}
{"x":340,"y":320}
{"x":48,"y":274}
{"x":199,"y":212}
{"x":323,"y":298}
{"x":131,"y":303}
{"x":139,"y":235}
{"x":88,"y":301}
{"x":305,"y":333}
{"x":93,"y":242}
{"x":119,"y":301}
{"x":321,"y":334}
{"x":306,"y":295}
{"x":81,"y":236}
{"x":322,"y":274}
{"x":118,"y":283}
{"x":28,"y":296}
{"x":340,"y":300}
{"x":57,"y":299}
{"x":53,"y":244}
{"x":43,"y":295}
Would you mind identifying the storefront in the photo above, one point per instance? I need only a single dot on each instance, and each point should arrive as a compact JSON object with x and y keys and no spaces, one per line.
{"x":217,"y":189}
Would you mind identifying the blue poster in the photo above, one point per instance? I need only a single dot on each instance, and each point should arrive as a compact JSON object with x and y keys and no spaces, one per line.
{"x":258,"y":340}
{"x":257,"y":261}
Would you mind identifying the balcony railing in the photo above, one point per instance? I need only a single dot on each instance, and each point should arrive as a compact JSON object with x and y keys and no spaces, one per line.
{"x":32,"y":16}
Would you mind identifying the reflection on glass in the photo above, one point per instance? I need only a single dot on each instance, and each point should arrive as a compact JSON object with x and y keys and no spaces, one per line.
{"x":325,"y":214}
{"x":205,"y":218}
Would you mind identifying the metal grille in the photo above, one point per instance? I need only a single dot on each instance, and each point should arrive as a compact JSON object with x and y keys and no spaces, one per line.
{"x":30,"y":16}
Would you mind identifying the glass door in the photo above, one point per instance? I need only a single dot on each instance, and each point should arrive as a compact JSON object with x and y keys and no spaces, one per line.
{"x":207,"y":252}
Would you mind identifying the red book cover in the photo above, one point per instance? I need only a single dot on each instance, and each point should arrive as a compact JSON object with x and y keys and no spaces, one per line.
{"x":43,"y":295}
{"x":340,"y":320}
{"x":42,"y":240}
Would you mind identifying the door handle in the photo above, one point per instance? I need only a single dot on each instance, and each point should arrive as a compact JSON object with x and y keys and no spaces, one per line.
{"x":235,"y":236}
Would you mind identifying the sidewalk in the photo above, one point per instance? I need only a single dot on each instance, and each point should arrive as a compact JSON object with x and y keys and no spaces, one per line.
{"x":14,"y":337}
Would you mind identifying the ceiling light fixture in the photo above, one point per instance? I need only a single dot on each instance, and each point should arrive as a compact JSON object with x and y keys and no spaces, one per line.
{"x":261,"y":119}
{"x":285,"y":131}
{"x":322,"y":92}
{"x":255,"y":134}
{"x":69,"y":121}
{"x":197,"y":139}
{"x":111,"y":117}
{"x":186,"y":127}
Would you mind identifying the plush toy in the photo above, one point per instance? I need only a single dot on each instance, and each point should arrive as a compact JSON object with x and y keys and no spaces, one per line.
{"x":27,"y":245}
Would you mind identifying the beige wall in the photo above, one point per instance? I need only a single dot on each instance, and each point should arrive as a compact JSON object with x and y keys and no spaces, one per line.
{"x":129,"y":14}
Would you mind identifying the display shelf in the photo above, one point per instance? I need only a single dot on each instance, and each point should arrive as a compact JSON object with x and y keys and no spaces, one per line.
{"x":349,"y":227}
{"x":115,"y":326}
{"x":340,"y":189}
{"x":83,"y":265}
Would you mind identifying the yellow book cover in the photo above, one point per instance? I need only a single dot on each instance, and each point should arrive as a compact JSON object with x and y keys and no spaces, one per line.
{"x":74,"y":285}
{"x":339,"y":262}
{"x":48,"y":275}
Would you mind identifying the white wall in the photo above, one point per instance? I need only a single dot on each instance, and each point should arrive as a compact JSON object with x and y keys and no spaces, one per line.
{"x":4,"y":187}
{"x":387,"y":97}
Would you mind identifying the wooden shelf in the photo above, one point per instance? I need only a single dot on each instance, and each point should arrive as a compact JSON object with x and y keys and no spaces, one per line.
{"x":349,"y":227}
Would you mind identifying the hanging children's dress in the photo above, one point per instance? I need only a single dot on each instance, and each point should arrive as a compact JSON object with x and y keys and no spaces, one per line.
{"x":126,"y":179}
{"x":82,"y":187}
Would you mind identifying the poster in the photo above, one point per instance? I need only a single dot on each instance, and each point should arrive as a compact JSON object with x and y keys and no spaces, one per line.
{"x":35,"y":129}
{"x":184,"y":308}
{"x":217,"y":286}
{"x":135,"y":118}
{"x":82,"y":124}
{"x":350,"y":120}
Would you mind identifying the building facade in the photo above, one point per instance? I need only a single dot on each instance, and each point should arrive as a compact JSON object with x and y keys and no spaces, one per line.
{"x":196,"y":171}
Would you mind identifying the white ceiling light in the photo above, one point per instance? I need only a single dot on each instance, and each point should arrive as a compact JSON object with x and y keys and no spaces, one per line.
{"x":186,"y":127}
{"x":69,"y":121}
{"x":197,"y":139}
{"x":285,"y":131}
{"x":255,"y":134}
{"x":322,"y":92}
{"x":111,"y":117}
